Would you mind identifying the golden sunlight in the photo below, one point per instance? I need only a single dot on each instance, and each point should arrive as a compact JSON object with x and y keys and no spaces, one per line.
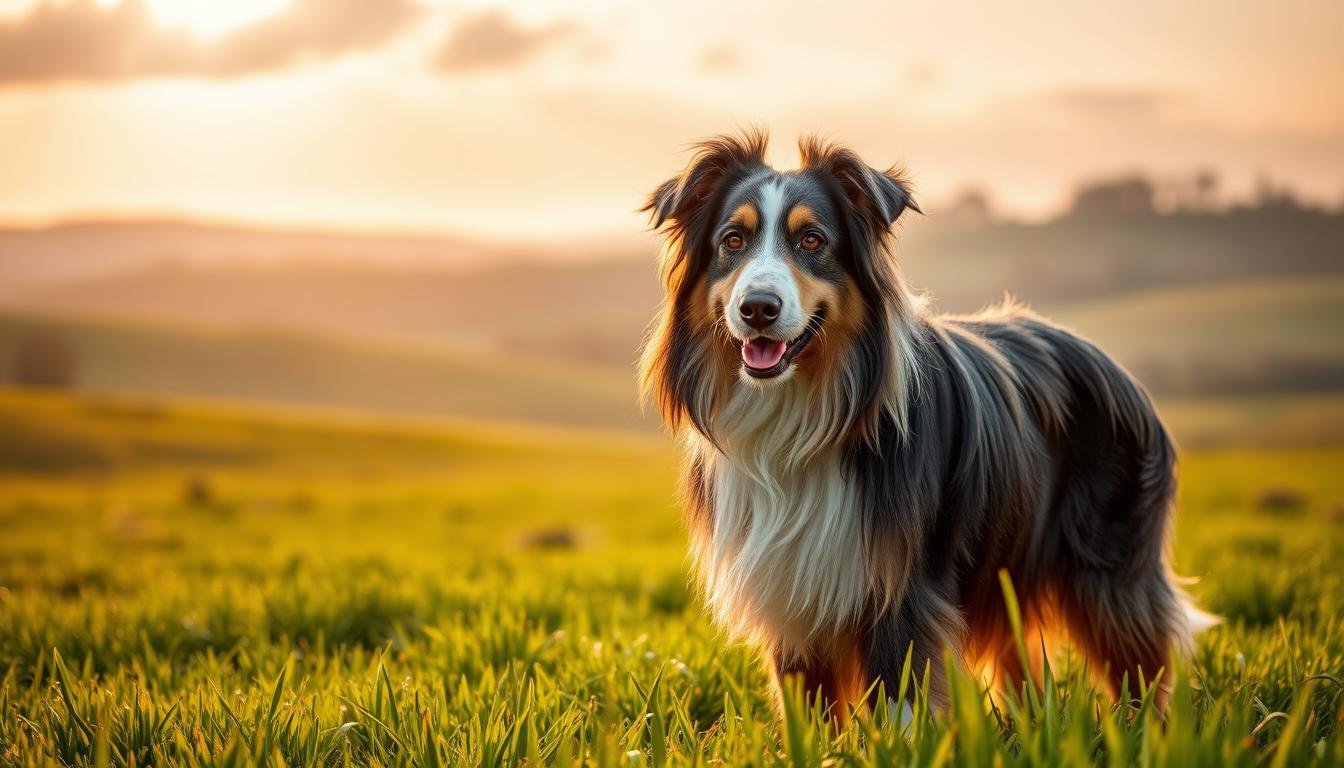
{"x":208,"y":18}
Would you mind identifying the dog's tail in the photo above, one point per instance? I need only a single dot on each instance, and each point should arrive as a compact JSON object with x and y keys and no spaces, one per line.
{"x":1192,"y":620}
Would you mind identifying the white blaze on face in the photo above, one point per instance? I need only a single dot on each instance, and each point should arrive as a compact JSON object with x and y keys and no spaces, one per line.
{"x":767,"y":269}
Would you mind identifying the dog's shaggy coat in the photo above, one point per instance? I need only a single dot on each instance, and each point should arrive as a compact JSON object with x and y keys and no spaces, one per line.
{"x":860,"y":505}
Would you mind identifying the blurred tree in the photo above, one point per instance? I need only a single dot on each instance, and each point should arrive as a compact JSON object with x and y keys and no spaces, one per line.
{"x":44,"y":358}
{"x":970,"y":207}
{"x":1206,"y":190}
{"x":1272,"y":197}
{"x":1127,"y":195}
{"x":1193,"y":193}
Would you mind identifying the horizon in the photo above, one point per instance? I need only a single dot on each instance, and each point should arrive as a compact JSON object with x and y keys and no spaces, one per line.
{"x":608,"y":237}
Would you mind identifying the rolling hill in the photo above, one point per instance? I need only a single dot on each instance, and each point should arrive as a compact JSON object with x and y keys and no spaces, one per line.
{"x":1238,"y":337}
{"x":40,"y":257}
{"x":591,"y":303}
{"x":312,"y":370}
{"x":1226,"y":339}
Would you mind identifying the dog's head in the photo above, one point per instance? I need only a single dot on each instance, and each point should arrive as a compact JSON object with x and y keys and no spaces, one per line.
{"x":771,"y":274}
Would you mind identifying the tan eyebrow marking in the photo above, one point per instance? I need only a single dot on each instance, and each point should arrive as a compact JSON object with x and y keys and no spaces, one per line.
{"x":745,"y":215}
{"x":800,"y":217}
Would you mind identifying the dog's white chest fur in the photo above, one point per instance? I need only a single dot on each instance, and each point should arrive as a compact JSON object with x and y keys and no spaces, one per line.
{"x":783,"y":562}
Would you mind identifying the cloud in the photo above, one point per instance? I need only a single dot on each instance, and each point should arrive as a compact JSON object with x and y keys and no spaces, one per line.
{"x":924,"y":73}
{"x":720,"y":58}
{"x":84,"y":41}
{"x":493,"y":40}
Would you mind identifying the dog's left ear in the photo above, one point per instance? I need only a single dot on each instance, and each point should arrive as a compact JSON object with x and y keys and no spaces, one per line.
{"x":882,"y":196}
{"x":679,"y":200}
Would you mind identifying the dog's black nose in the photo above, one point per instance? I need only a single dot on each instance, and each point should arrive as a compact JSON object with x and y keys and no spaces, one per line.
{"x":759,"y":309}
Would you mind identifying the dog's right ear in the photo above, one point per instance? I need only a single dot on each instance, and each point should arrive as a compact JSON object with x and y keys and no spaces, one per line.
{"x":879,"y":196}
{"x":678,"y":201}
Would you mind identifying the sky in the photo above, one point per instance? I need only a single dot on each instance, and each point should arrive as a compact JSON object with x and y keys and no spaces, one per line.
{"x":533,"y":120}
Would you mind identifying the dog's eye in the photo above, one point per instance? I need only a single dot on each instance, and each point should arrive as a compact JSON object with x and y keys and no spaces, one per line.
{"x":733,"y":241}
{"x":811,"y":241}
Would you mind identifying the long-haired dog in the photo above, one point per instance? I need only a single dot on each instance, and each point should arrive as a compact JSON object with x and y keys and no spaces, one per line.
{"x":858,"y":471}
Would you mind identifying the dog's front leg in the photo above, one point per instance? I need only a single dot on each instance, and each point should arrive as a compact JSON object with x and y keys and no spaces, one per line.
{"x":924,"y":624}
{"x":836,"y":673}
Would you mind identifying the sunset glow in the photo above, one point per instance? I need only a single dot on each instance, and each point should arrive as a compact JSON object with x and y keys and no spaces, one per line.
{"x":209,"y":18}
{"x":541,"y":120}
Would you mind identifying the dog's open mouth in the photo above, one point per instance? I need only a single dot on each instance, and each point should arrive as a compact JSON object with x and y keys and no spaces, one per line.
{"x":766,"y":358}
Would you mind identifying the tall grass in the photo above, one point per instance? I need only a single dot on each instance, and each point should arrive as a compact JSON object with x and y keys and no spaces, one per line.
{"x":311,"y":604}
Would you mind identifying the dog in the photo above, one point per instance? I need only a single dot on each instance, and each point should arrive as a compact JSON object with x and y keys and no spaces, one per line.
{"x":858,"y":470}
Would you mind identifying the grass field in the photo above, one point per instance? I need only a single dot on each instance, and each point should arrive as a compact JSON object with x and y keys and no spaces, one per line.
{"x":185,"y":584}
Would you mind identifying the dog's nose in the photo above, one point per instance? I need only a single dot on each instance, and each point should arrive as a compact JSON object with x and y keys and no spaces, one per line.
{"x":759,"y":309}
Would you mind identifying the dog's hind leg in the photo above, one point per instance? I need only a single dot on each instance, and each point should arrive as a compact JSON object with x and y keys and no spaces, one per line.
{"x":992,"y":649}
{"x":1130,"y":627}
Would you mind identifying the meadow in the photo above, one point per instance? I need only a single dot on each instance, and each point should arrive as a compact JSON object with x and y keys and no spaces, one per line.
{"x":208,"y":585}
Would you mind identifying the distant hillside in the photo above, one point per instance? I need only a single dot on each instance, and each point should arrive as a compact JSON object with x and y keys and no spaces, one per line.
{"x":310,"y":370}
{"x":596,"y":308}
{"x":579,"y":311}
{"x":40,"y":257}
{"x":1243,"y":338}
{"x":1081,"y":257}
{"x":1251,"y":336}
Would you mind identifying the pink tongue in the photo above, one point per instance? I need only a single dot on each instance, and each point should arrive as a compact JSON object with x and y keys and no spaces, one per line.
{"x":762,"y":353}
